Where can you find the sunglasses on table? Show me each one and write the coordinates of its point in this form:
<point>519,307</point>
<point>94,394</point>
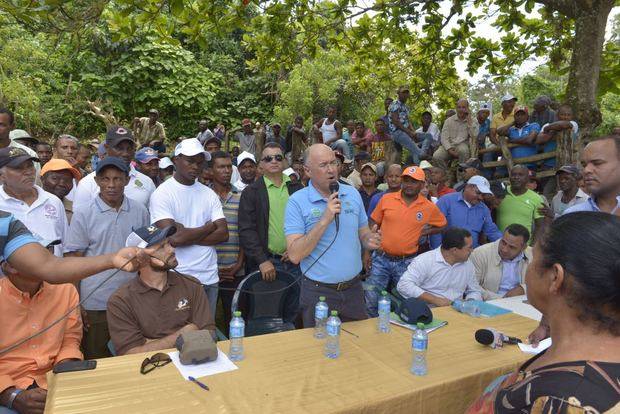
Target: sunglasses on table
<point>269,158</point>
<point>158,360</point>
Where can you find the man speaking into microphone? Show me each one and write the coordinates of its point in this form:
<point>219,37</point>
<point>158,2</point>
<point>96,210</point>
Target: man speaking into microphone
<point>329,252</point>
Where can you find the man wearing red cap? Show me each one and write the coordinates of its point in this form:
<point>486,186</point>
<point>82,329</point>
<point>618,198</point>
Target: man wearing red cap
<point>403,217</point>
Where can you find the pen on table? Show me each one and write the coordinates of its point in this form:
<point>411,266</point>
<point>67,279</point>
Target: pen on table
<point>349,332</point>
<point>200,384</point>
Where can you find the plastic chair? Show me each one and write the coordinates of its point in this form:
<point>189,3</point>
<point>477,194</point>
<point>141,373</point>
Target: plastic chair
<point>267,312</point>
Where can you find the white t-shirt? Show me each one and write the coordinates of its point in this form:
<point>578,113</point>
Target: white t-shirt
<point>139,189</point>
<point>45,218</point>
<point>192,206</point>
<point>433,129</point>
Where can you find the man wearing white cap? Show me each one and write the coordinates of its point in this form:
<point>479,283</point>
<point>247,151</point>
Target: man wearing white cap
<point>465,210</point>
<point>504,118</point>
<point>196,211</point>
<point>246,163</point>
<point>166,169</point>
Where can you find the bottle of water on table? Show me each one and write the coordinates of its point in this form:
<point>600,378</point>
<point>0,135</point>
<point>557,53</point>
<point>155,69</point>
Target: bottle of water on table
<point>469,307</point>
<point>419,344</point>
<point>332,345</point>
<point>320,318</point>
<point>384,312</point>
<point>237,331</point>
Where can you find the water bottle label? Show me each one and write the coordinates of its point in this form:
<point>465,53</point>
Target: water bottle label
<point>320,312</point>
<point>333,330</point>
<point>236,331</point>
<point>420,344</point>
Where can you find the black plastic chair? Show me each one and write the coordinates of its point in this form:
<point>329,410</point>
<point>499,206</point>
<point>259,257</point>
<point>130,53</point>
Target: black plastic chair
<point>267,312</point>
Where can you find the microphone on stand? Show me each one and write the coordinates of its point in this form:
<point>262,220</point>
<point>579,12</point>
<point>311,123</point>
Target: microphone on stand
<point>333,188</point>
<point>494,338</point>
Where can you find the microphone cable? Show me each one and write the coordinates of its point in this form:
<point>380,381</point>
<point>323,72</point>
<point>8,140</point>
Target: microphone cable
<point>84,299</point>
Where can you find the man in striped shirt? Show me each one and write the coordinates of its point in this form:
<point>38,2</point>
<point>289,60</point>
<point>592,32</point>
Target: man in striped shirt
<point>230,256</point>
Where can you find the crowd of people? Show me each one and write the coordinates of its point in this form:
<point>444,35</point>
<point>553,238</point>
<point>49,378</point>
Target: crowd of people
<point>326,205</point>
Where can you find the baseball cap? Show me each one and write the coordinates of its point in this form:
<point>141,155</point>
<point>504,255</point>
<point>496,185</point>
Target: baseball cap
<point>522,108</point>
<point>153,111</point>
<point>508,97</point>
<point>112,162</point>
<point>21,134</point>
<point>571,169</point>
<point>117,134</point>
<point>14,157</point>
<point>191,147</point>
<point>246,121</point>
<point>146,154</point>
<point>498,189</point>
<point>471,163</point>
<point>165,163</point>
<point>339,155</point>
<point>94,143</point>
<point>289,171</point>
<point>414,310</point>
<point>482,184</point>
<point>56,164</point>
<point>148,236</point>
<point>403,88</point>
<point>485,106</point>
<point>425,164</point>
<point>245,156</point>
<point>214,139</point>
<point>417,173</point>
<point>369,165</point>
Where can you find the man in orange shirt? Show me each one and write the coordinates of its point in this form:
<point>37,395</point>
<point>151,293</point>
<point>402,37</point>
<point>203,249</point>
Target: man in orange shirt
<point>26,305</point>
<point>403,217</point>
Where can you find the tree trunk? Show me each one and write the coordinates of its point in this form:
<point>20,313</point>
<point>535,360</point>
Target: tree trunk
<point>590,23</point>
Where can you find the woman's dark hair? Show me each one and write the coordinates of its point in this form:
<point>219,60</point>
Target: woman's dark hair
<point>587,246</point>
<point>454,237</point>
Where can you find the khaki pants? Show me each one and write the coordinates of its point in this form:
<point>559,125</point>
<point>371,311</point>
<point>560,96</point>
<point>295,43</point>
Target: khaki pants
<point>443,155</point>
<point>95,340</point>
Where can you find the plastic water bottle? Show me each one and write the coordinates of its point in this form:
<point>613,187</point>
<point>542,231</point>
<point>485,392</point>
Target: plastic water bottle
<point>419,344</point>
<point>332,345</point>
<point>384,312</point>
<point>320,318</point>
<point>237,331</point>
<point>468,307</point>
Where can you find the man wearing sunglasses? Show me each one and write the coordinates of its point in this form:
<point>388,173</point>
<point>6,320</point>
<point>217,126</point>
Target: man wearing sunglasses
<point>261,216</point>
<point>153,309</point>
<point>466,210</point>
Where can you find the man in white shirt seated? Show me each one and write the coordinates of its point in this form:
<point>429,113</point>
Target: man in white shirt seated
<point>118,143</point>
<point>501,265</point>
<point>443,275</point>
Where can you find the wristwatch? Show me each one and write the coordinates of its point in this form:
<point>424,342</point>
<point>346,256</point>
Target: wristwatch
<point>12,397</point>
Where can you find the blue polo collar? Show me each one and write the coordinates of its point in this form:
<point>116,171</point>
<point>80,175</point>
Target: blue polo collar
<point>314,195</point>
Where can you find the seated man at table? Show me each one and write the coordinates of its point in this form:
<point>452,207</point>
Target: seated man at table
<point>26,305</point>
<point>443,275</point>
<point>501,265</point>
<point>149,312</point>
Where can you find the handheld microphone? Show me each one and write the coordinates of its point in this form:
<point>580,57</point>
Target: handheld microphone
<point>333,188</point>
<point>494,338</point>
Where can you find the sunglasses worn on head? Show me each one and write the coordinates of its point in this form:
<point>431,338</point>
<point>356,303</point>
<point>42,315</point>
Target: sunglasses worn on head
<point>158,360</point>
<point>269,158</point>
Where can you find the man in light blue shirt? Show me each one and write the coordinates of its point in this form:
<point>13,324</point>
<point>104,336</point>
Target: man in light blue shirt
<point>328,248</point>
<point>466,210</point>
<point>601,175</point>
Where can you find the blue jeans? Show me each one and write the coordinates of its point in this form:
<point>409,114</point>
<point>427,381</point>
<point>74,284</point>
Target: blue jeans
<point>293,269</point>
<point>342,146</point>
<point>4,410</point>
<point>383,270</point>
<point>400,137</point>
<point>427,141</point>
<point>211,291</point>
<point>488,157</point>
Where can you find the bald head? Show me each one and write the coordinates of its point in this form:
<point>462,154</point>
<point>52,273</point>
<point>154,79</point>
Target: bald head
<point>392,177</point>
<point>462,108</point>
<point>321,166</point>
<point>394,169</point>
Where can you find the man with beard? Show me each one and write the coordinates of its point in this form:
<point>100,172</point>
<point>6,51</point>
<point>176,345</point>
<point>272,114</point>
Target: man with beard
<point>134,309</point>
<point>57,178</point>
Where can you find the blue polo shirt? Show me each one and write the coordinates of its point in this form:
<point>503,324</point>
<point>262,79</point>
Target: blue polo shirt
<point>477,218</point>
<point>343,260</point>
<point>515,133</point>
<point>590,205</point>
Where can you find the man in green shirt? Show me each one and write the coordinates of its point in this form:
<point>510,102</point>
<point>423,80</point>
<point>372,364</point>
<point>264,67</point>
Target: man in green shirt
<point>261,216</point>
<point>521,205</point>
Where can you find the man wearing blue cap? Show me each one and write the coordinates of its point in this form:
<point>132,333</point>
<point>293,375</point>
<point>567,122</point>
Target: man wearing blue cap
<point>147,162</point>
<point>99,228</point>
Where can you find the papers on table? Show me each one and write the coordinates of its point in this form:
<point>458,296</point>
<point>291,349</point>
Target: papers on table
<point>429,327</point>
<point>529,349</point>
<point>519,305</point>
<point>221,364</point>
